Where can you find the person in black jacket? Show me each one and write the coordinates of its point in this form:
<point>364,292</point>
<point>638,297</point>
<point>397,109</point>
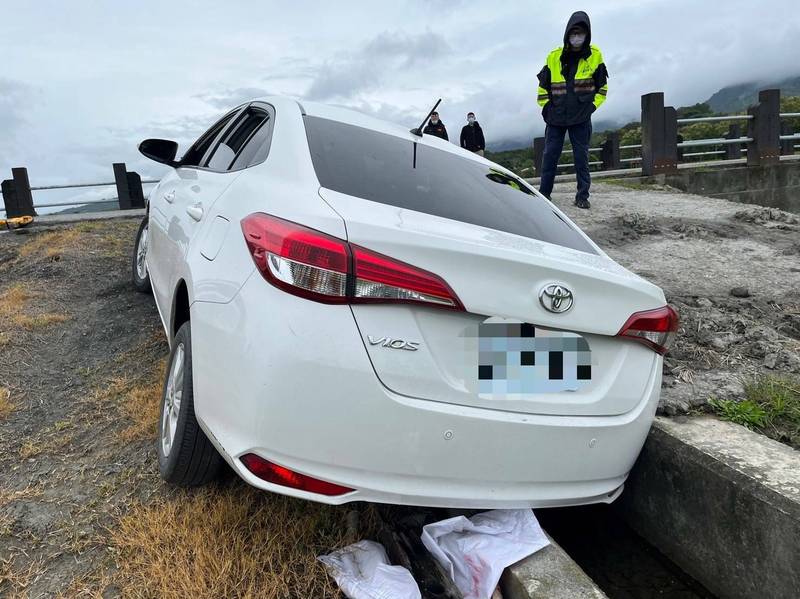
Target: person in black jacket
<point>472,135</point>
<point>436,127</point>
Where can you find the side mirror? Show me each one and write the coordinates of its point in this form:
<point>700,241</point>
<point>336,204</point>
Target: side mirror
<point>160,150</point>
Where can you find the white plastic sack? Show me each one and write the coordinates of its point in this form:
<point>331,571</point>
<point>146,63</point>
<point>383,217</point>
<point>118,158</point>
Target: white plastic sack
<point>362,571</point>
<point>475,551</point>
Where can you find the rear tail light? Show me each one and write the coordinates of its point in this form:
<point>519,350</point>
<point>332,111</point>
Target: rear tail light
<point>278,475</point>
<point>655,328</point>
<point>298,259</point>
<point>383,279</point>
<point>317,266</point>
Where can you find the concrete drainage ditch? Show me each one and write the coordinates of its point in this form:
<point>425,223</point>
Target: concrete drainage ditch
<point>711,509</point>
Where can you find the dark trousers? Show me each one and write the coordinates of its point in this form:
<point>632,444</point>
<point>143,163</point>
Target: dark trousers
<point>580,135</point>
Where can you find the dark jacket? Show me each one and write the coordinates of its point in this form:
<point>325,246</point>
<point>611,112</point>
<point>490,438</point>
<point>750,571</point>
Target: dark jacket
<point>570,108</point>
<point>438,130</point>
<point>472,137</point>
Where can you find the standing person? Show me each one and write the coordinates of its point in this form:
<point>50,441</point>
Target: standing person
<point>572,85</point>
<point>472,135</point>
<point>436,127</point>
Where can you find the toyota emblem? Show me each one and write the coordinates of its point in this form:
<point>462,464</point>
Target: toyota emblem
<point>556,298</point>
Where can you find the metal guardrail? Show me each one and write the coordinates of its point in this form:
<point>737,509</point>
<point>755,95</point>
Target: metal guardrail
<point>591,163</point>
<point>714,119</point>
<point>721,141</point>
<point>18,192</point>
<point>78,185</point>
<point>570,150</point>
<point>768,138</point>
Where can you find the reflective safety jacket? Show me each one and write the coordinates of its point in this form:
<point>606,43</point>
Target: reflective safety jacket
<point>572,87</point>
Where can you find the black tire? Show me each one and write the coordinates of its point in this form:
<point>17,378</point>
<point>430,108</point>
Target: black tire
<point>192,459</point>
<point>141,284</point>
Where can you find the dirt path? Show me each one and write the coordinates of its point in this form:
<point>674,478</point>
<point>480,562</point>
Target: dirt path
<point>82,509</point>
<point>698,250</point>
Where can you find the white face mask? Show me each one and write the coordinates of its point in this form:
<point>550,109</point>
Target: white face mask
<point>576,40</point>
<point>434,121</point>
<point>471,119</point>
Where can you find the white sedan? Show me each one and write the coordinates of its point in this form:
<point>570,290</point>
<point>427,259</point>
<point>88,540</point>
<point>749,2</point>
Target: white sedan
<point>357,312</point>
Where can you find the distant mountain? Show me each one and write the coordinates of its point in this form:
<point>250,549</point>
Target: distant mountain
<point>736,98</point>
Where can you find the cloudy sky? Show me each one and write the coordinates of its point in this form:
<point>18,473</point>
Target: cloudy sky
<point>83,82</point>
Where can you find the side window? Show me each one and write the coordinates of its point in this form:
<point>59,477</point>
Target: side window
<point>194,155</point>
<point>239,140</point>
<point>255,151</point>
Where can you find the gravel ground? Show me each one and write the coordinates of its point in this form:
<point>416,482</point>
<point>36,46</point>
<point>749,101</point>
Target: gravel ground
<point>705,254</point>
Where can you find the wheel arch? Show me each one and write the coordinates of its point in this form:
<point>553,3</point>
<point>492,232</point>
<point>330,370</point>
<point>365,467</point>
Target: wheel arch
<point>180,308</point>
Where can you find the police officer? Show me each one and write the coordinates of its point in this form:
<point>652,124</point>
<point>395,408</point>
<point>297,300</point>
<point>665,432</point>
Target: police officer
<point>572,85</point>
<point>436,127</point>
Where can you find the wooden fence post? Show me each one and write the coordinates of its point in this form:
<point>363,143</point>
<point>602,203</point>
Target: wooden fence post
<point>764,129</point>
<point>17,196</point>
<point>659,136</point>
<point>787,145</point>
<point>733,151</point>
<point>129,187</point>
<point>609,153</point>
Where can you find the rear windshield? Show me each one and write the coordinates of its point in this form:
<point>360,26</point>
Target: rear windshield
<point>383,168</point>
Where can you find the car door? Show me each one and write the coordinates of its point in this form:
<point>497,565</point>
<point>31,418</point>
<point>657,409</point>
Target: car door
<point>165,222</point>
<point>198,187</point>
<point>217,274</point>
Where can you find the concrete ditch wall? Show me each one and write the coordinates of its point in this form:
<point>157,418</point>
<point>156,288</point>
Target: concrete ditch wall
<point>723,503</point>
<point>775,186</point>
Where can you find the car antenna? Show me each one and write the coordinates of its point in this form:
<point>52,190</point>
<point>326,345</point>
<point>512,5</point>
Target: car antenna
<point>418,130</point>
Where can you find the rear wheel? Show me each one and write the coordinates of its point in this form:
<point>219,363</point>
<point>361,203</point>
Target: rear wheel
<point>185,455</point>
<point>139,274</point>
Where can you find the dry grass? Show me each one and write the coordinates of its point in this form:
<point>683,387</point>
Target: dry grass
<point>50,244</point>
<point>29,492</point>
<point>231,542</point>
<point>14,299</point>
<point>15,309</point>
<point>32,447</point>
<point>139,400</point>
<point>13,582</point>
<point>6,407</point>
<point>142,405</point>
<point>39,321</point>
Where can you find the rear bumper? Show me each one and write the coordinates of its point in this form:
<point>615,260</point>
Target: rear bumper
<point>294,385</point>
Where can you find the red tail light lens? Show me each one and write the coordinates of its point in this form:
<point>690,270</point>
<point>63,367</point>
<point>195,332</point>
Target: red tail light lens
<point>298,259</point>
<point>278,475</point>
<point>655,328</point>
<point>317,266</point>
<point>380,278</point>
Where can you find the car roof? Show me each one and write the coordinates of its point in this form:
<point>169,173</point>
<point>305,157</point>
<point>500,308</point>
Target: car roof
<point>359,119</point>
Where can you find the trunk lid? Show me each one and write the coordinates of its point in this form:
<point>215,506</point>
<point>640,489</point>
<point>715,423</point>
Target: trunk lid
<point>498,277</point>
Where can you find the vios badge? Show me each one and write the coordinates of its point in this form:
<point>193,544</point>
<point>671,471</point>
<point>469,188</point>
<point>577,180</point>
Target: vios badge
<point>556,298</point>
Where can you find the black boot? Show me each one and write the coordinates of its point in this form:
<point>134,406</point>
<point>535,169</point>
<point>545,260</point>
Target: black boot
<point>583,204</point>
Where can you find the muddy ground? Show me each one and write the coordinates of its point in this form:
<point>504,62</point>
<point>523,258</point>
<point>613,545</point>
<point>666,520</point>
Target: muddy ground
<point>732,270</point>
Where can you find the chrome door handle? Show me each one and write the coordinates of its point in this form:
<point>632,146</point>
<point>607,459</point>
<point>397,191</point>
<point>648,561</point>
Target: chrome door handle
<point>169,197</point>
<point>195,211</point>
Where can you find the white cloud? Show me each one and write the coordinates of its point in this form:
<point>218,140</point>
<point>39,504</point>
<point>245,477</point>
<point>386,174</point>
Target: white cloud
<point>84,82</point>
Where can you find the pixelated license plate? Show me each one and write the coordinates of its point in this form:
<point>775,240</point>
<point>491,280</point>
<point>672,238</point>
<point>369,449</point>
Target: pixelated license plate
<point>519,358</point>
